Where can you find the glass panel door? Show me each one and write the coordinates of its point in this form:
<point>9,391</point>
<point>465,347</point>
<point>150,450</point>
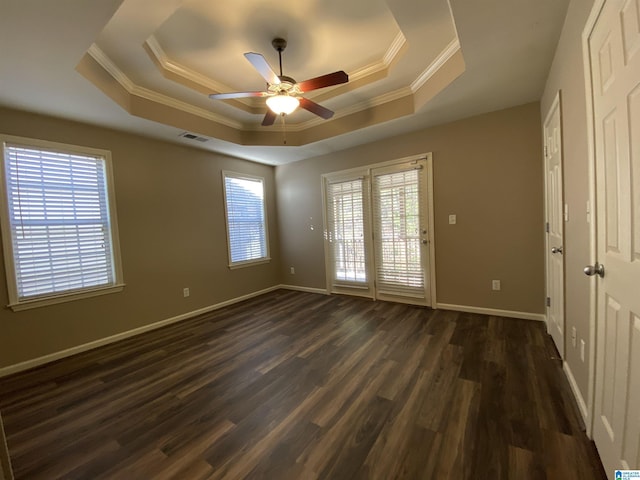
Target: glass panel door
<point>400,236</point>
<point>377,231</point>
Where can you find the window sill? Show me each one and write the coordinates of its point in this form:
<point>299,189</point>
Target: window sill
<point>62,298</point>
<point>249,263</point>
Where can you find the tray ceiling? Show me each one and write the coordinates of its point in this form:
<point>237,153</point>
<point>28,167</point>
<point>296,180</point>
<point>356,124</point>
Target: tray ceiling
<point>411,64</point>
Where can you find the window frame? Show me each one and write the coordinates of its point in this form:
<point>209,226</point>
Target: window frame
<point>15,302</point>
<point>253,178</point>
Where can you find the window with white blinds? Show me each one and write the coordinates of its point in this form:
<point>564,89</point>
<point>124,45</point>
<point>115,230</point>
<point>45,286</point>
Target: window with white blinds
<point>396,203</point>
<point>246,219</point>
<point>345,215</point>
<point>57,232</point>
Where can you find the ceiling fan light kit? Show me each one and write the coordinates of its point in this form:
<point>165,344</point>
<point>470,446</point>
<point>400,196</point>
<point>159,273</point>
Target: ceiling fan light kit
<point>284,94</point>
<point>283,104</point>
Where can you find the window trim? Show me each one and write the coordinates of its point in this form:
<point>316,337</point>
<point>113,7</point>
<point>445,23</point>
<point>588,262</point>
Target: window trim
<point>257,261</point>
<point>7,245</point>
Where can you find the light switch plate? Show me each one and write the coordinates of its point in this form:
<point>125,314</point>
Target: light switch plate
<point>452,219</point>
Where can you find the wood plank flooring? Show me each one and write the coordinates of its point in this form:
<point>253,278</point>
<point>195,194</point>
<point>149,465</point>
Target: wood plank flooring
<point>293,385</point>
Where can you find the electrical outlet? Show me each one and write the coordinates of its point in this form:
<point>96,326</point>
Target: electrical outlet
<point>495,284</point>
<point>574,336</point>
<point>185,292</point>
<point>582,346</point>
<point>292,271</point>
<point>452,219</point>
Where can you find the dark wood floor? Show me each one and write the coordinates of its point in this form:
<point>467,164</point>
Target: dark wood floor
<point>294,385</point>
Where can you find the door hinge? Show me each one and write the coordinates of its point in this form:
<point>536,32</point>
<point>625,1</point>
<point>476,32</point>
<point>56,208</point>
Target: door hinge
<point>547,227</point>
<point>548,301</point>
<point>546,152</point>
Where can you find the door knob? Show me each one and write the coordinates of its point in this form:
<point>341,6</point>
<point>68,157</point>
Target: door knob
<point>592,270</point>
<point>556,250</point>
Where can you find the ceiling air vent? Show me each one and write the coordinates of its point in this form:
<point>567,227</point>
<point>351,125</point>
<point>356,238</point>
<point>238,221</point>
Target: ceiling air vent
<point>192,136</point>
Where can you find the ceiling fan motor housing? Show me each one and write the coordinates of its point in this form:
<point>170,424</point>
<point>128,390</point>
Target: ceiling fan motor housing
<point>279,44</point>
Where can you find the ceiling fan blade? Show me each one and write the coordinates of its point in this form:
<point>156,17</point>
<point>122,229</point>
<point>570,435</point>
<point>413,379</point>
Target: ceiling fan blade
<point>323,81</point>
<point>226,96</point>
<point>263,68</point>
<point>316,108</point>
<point>269,118</point>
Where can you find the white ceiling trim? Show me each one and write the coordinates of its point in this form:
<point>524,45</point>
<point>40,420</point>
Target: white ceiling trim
<point>99,56</point>
<point>389,56</point>
<point>154,96</point>
<point>105,62</point>
<point>440,60</point>
<point>209,83</point>
<point>423,78</point>
<point>216,87</point>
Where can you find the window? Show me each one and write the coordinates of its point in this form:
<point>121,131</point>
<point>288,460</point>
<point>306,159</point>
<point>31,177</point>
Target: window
<point>59,230</point>
<point>345,216</point>
<point>246,219</point>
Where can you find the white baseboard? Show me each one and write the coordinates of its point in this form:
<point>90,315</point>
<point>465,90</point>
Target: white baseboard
<point>582,405</point>
<point>35,362</point>
<point>26,365</point>
<point>491,311</point>
<point>322,291</point>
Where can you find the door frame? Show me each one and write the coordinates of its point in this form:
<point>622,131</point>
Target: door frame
<point>365,171</point>
<point>555,105</point>
<point>590,24</point>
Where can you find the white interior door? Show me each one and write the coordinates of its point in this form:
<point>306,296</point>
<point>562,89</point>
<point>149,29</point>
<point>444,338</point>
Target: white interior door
<point>614,47</point>
<point>401,232</point>
<point>555,225</point>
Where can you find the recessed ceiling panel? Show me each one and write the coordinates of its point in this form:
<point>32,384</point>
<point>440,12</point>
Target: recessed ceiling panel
<point>323,36</point>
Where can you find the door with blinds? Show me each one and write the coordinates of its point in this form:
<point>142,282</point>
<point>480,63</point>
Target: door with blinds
<point>379,230</point>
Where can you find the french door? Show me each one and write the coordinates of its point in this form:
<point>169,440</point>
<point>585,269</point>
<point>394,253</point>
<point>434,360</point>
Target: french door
<point>378,235</point>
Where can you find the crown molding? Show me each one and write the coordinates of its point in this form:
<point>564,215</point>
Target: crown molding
<point>166,63</point>
<point>388,58</point>
<point>440,60</point>
<point>136,90</point>
<point>154,96</point>
<point>111,68</point>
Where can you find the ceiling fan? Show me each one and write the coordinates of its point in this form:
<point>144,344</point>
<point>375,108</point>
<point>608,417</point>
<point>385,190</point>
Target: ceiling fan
<point>283,93</point>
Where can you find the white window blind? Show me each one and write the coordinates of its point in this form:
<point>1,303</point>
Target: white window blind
<point>246,218</point>
<point>345,212</point>
<point>396,198</point>
<point>58,221</point>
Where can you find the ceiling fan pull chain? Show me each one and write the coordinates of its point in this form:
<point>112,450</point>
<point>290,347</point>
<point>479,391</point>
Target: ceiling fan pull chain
<point>284,130</point>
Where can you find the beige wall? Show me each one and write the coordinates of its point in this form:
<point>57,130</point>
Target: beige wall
<point>487,170</point>
<point>172,235</point>
<point>567,75</point>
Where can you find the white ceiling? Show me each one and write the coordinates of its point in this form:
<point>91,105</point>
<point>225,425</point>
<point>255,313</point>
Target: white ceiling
<point>385,46</point>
